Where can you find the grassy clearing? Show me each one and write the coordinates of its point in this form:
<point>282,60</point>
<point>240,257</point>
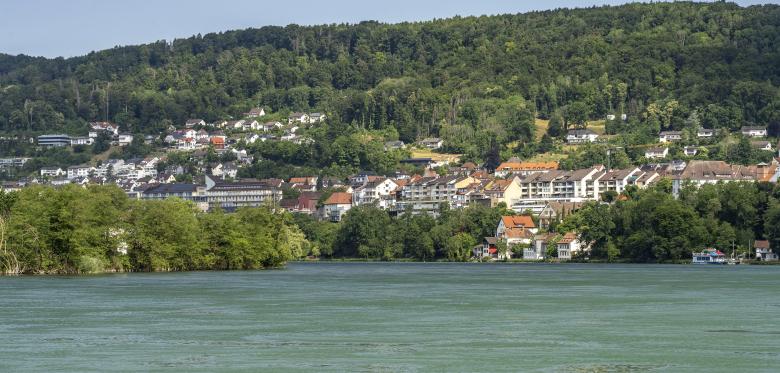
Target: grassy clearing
<point>541,127</point>
<point>426,153</point>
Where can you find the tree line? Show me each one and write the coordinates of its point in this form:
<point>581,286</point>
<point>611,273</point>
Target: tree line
<point>74,229</point>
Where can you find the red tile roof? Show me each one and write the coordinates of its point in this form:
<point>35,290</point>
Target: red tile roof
<point>339,198</point>
<point>524,221</point>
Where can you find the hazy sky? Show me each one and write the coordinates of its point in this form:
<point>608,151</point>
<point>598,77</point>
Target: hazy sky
<point>75,27</point>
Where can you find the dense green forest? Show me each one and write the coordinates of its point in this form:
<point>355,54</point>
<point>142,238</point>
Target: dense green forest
<point>99,229</point>
<point>477,82</point>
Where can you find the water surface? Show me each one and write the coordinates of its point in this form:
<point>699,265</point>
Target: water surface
<point>398,317</point>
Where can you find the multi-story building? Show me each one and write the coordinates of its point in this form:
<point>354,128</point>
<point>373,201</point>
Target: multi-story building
<point>54,140</point>
<point>378,191</point>
<point>246,193</point>
<point>524,168</point>
<point>427,194</point>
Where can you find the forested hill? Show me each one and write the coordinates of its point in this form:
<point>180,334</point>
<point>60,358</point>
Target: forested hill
<point>452,75</point>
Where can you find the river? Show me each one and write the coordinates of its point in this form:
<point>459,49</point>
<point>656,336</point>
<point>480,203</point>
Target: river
<point>396,317</point>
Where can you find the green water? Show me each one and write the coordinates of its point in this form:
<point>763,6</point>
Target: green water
<point>398,317</point>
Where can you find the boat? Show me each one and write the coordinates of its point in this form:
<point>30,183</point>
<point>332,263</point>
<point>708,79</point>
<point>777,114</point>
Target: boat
<point>709,256</point>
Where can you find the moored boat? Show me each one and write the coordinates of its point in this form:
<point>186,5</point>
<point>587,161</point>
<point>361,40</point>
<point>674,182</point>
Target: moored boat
<point>709,256</point>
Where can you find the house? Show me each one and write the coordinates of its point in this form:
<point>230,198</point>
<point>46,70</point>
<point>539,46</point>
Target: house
<point>764,251</point>
<point>669,136</point>
<point>656,153</point>
<point>393,145</point>
<point>255,113</point>
<point>302,118</point>
<point>538,248</point>
<point>81,141</point>
<point>524,168</point>
<point>251,125</point>
<point>235,124</point>
<point>113,129</point>
<point>270,126</point>
<point>201,135</point>
<point>53,140</point>
<point>379,192</point>
<point>705,133</point>
<point>581,136</point>
<point>427,194</point>
<point>691,151</point>
<point>219,124</point>
<point>568,246</point>
<point>186,143</point>
<point>516,229</point>
<point>52,171</point>
<point>752,131</point>
<point>317,117</point>
<point>611,117</point>
<point>336,206</point>
<point>489,249</point>
<point>125,139</point>
<point>79,171</point>
<point>432,143</point>
<point>503,190</point>
<point>194,122</point>
<point>762,145</point>
<point>556,211</point>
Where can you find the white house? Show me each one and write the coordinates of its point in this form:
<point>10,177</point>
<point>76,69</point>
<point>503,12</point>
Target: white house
<point>317,117</point>
<point>581,136</point>
<point>656,153</point>
<point>750,131</point>
<point>691,151</point>
<point>251,125</point>
<point>194,122</point>
<point>705,133</point>
<point>762,145</point>
<point>298,118</point>
<point>236,124</point>
<point>52,171</point>
<point>764,252</point>
<point>82,141</point>
<point>255,113</point>
<point>270,126</point>
<point>377,191</point>
<point>432,143</point>
<point>516,229</point>
<point>79,171</point>
<point>125,139</point>
<point>670,136</point>
<point>568,246</point>
<point>538,249</point>
<point>336,206</point>
<point>105,126</point>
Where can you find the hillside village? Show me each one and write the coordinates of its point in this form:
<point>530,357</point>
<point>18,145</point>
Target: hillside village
<point>540,192</point>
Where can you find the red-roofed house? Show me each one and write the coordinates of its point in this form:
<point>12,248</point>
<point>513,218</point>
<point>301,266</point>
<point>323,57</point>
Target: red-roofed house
<point>336,206</point>
<point>516,229</point>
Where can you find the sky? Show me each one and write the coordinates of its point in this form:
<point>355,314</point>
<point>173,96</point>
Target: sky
<point>67,28</point>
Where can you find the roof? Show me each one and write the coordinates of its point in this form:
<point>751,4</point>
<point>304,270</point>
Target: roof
<point>568,237</point>
<point>716,170</point>
<point>529,166</point>
<point>581,132</point>
<point>339,198</point>
<point>753,128</point>
<point>761,244</point>
<point>171,188</point>
<point>524,221</point>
